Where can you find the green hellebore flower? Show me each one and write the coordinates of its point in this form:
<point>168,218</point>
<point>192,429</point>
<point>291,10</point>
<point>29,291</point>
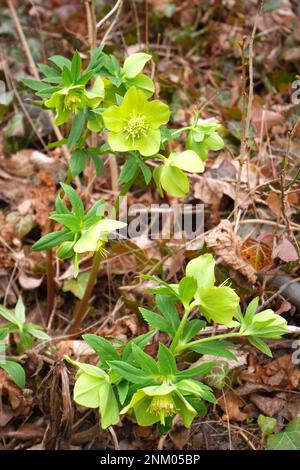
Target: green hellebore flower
<point>93,389</point>
<point>204,137</point>
<point>134,125</point>
<point>70,100</point>
<point>155,403</point>
<point>171,178</point>
<point>94,237</point>
<point>217,303</point>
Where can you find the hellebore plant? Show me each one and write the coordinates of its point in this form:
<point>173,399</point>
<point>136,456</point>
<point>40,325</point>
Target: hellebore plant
<point>115,102</point>
<point>127,380</point>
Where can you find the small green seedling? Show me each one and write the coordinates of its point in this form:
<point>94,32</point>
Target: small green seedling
<point>27,332</point>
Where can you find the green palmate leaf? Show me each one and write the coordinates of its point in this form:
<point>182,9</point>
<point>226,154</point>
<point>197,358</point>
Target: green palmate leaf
<point>103,348</point>
<point>76,202</point>
<point>61,61</point>
<point>145,362</point>
<point>135,63</point>
<point>129,171</point>
<point>215,348</point>
<point>166,361</point>
<point>289,439</point>
<point>78,162</point>
<point>140,341</point>
<point>52,239</point>
<point>76,129</point>
<point>187,289</point>
<point>68,220</point>
<point>15,371</point>
<point>129,372</point>
<point>166,305</point>
<point>196,371</point>
<point>156,321</point>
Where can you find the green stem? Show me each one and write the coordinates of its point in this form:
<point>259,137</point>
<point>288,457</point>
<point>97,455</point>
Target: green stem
<point>49,260</point>
<point>82,306</point>
<point>180,329</point>
<point>208,339</point>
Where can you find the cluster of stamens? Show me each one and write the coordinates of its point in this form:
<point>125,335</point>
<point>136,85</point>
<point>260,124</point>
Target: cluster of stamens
<point>136,126</point>
<point>163,406</point>
<point>72,103</point>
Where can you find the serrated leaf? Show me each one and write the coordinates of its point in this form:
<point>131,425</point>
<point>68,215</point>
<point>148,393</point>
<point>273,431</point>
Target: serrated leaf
<point>52,239</point>
<point>196,371</point>
<point>145,362</point>
<point>156,321</point>
<point>215,348</point>
<point>78,162</point>
<point>76,129</point>
<point>129,372</point>
<point>166,361</point>
<point>103,348</point>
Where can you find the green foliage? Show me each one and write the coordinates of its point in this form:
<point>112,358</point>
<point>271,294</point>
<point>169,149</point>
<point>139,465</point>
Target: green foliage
<point>204,136</point>
<point>288,439</point>
<point>115,101</point>
<point>26,331</point>
<point>83,232</point>
<point>266,424</point>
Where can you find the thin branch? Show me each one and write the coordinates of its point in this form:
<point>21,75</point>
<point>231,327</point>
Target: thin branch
<point>244,143</point>
<point>34,69</point>
<point>109,14</point>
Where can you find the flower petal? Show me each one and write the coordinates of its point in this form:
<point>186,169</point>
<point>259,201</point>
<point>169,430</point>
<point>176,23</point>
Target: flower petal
<point>133,102</point>
<point>157,113</point>
<point>149,143</point>
<point>119,142</point>
<point>113,118</point>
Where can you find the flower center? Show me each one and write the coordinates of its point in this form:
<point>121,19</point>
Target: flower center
<point>163,406</point>
<point>136,126</point>
<point>72,102</point>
